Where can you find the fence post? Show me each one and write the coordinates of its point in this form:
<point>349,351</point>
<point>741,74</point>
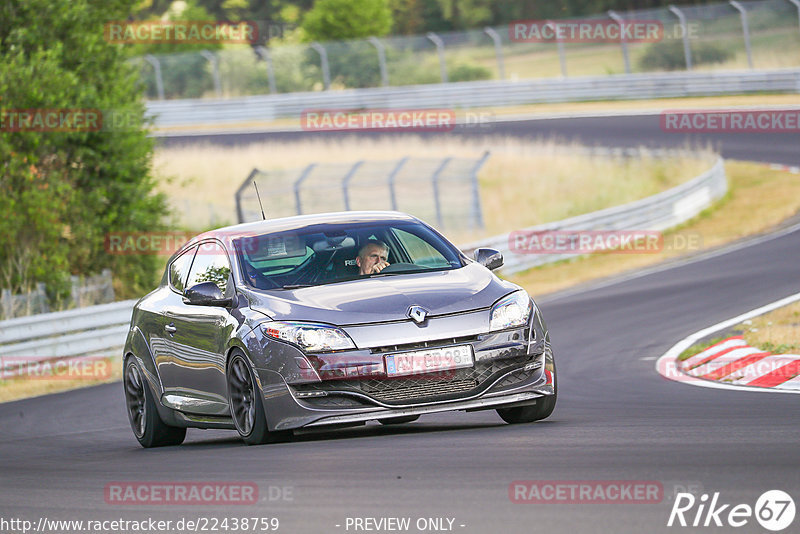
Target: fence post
<point>436,199</point>
<point>346,184</point>
<point>390,180</point>
<point>562,56</point>
<point>108,281</point>
<point>498,50</point>
<point>7,303</point>
<point>298,183</point>
<point>75,290</point>
<point>41,296</point>
<point>797,5</point>
<point>435,39</point>
<point>687,50</point>
<point>263,53</point>
<point>619,20</point>
<point>214,70</point>
<point>476,197</point>
<point>323,60</point>
<point>381,59</point>
<point>745,30</point>
<point>153,60</point>
<point>250,179</point>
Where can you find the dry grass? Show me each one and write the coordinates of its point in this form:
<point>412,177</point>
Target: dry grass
<point>22,387</point>
<point>544,181</point>
<point>777,331</point>
<point>758,199</point>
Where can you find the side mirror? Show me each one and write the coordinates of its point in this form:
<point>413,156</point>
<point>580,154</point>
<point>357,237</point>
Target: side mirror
<point>488,257</point>
<point>206,294</point>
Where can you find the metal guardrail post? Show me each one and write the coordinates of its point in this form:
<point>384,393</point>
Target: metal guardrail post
<point>498,50</point>
<point>435,39</point>
<point>390,182</point>
<point>346,183</point>
<point>562,55</point>
<point>381,59</point>
<point>619,20</point>
<point>298,183</point>
<point>241,190</point>
<point>153,60</point>
<point>263,53</point>
<point>436,198</point>
<point>215,71</point>
<point>687,50</point>
<point>476,197</point>
<point>323,61</point>
<point>797,5</point>
<point>745,30</point>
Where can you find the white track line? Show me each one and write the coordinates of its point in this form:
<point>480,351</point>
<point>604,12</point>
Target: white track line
<point>667,362</point>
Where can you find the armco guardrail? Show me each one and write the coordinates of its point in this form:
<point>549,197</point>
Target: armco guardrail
<point>66,334</point>
<point>177,114</point>
<point>102,329</point>
<point>657,212</point>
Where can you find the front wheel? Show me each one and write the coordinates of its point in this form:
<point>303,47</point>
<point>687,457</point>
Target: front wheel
<point>247,408</point>
<point>146,424</point>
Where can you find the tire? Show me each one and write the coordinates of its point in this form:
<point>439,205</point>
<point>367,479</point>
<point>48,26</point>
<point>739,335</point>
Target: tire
<point>246,405</point>
<point>146,424</point>
<point>527,414</point>
<point>399,420</point>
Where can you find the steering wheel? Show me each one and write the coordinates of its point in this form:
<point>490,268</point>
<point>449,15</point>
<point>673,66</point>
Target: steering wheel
<point>400,267</point>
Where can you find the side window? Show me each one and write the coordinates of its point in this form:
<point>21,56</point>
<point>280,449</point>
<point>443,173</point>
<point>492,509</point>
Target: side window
<point>421,252</point>
<point>210,265</point>
<point>179,270</point>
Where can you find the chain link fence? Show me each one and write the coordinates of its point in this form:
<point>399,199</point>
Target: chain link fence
<point>762,34</point>
<point>443,191</point>
<point>85,291</point>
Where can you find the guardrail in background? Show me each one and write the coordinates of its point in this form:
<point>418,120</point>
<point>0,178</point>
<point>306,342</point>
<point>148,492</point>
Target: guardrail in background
<point>93,330</point>
<point>177,114</point>
<point>444,190</point>
<point>102,329</point>
<point>720,34</point>
<point>657,212</point>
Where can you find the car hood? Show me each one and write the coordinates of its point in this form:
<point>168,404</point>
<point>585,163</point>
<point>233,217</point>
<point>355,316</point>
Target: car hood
<point>386,298</point>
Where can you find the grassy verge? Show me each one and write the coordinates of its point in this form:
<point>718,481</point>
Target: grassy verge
<point>758,199</point>
<point>23,387</point>
<point>552,181</point>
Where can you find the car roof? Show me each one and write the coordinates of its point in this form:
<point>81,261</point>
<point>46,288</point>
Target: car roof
<point>299,222</point>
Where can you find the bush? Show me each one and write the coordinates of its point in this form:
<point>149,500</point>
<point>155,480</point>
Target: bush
<point>669,55</point>
<point>62,192</point>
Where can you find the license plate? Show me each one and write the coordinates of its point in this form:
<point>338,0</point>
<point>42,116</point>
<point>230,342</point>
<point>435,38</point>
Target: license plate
<point>429,360</point>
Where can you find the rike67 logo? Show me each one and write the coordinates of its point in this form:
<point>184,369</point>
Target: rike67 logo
<point>774,510</point>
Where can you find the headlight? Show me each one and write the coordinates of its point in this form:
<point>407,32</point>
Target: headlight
<point>309,336</point>
<point>510,311</point>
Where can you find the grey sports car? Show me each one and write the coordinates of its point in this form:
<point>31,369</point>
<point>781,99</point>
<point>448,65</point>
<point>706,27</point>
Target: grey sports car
<point>330,319</point>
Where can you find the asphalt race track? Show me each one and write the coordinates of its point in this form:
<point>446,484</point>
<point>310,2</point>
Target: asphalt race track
<point>616,419</point>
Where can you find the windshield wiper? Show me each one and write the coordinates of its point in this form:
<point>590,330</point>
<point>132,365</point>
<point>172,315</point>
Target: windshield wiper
<point>295,286</point>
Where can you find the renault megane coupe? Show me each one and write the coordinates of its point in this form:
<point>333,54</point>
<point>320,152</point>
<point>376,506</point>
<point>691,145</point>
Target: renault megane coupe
<point>330,319</point>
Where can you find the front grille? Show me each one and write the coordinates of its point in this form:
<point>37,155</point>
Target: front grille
<point>421,388</point>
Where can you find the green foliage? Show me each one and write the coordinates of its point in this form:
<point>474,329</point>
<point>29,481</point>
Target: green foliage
<point>331,20</point>
<point>62,192</point>
<point>464,72</point>
<point>669,55</point>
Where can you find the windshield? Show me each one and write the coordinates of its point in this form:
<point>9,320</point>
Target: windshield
<point>323,254</point>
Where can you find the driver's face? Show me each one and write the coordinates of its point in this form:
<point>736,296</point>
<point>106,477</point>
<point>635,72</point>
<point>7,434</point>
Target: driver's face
<point>373,256</point>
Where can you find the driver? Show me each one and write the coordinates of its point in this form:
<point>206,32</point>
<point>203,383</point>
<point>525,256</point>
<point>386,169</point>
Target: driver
<point>372,257</point>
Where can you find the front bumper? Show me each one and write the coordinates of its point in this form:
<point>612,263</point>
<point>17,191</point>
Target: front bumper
<point>512,368</point>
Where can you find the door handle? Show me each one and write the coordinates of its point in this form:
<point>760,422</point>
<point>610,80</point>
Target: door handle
<point>170,328</point>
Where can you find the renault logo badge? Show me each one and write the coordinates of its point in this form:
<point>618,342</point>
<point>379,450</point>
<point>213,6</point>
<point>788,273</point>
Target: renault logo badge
<point>418,314</point>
